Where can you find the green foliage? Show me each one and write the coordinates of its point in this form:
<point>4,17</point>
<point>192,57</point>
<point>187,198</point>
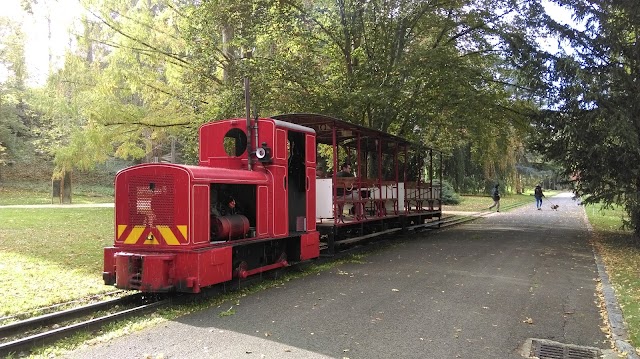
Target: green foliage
<point>449,196</point>
<point>593,129</point>
<point>621,254</point>
<point>14,132</point>
<point>424,71</point>
<point>120,93</point>
<point>147,72</point>
<point>227,313</point>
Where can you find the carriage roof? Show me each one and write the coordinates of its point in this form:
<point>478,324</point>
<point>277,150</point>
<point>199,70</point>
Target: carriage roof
<point>345,131</point>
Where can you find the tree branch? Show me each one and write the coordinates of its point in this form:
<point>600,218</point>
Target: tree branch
<point>152,125</point>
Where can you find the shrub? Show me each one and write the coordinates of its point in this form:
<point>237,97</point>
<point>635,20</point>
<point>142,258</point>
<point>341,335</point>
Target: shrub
<point>449,196</point>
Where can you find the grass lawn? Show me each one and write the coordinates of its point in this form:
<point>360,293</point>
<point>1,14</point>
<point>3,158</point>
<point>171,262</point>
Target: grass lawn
<point>49,256</point>
<point>40,193</point>
<point>620,251</point>
<point>481,203</point>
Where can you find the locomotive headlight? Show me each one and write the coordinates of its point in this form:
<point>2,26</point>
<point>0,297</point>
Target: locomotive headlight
<point>150,237</point>
<point>263,153</point>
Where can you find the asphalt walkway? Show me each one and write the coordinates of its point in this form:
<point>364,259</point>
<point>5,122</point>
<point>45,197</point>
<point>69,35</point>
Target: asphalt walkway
<point>478,290</point>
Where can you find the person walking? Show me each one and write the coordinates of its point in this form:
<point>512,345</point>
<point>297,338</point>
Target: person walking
<point>495,195</point>
<point>537,193</point>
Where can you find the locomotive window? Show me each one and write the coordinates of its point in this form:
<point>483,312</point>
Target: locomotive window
<point>235,142</point>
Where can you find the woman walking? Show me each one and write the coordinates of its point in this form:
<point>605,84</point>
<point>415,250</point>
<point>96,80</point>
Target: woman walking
<point>537,193</point>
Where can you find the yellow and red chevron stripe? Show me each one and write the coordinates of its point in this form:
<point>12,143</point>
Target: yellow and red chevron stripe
<point>169,235</point>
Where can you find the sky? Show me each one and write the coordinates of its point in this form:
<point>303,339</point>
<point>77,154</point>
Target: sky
<point>561,15</point>
<point>63,13</point>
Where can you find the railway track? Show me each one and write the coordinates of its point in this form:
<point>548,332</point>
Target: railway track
<point>29,333</point>
<point>58,307</point>
<point>26,334</point>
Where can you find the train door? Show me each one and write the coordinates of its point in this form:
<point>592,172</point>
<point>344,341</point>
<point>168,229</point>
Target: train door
<point>311,182</point>
<point>297,184</point>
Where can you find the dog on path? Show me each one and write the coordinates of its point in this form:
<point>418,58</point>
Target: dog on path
<point>554,207</point>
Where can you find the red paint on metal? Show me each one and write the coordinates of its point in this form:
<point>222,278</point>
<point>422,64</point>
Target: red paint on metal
<point>310,245</point>
<point>263,212</point>
<point>181,271</point>
<point>231,227</point>
<point>157,272</point>
<point>146,205</point>
<point>311,198</point>
<point>109,266</point>
<point>280,212</point>
<point>246,273</point>
<point>200,214</point>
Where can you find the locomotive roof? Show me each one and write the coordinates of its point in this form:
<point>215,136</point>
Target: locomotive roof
<point>215,174</point>
<point>323,125</point>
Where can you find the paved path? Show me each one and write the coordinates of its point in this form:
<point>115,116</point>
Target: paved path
<point>478,290</point>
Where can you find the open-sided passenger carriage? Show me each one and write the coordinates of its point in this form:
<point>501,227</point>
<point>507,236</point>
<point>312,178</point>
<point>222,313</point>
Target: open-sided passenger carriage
<point>397,184</point>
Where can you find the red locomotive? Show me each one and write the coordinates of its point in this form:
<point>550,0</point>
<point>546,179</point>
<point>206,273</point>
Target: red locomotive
<point>258,200</point>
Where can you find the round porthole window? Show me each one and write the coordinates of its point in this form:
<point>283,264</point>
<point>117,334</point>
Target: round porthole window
<point>235,142</point>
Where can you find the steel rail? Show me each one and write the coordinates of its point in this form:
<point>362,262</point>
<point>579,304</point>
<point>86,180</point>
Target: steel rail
<point>58,333</point>
<point>64,315</point>
<point>51,308</point>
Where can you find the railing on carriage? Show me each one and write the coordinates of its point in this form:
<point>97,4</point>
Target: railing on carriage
<point>365,199</point>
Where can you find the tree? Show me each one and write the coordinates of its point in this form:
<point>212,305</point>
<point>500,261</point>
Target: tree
<point>432,72</point>
<point>428,71</point>
<point>592,90</point>
<point>14,132</point>
<point>120,91</point>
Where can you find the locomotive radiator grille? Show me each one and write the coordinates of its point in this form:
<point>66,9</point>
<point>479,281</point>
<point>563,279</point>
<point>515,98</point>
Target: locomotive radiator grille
<point>151,200</point>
